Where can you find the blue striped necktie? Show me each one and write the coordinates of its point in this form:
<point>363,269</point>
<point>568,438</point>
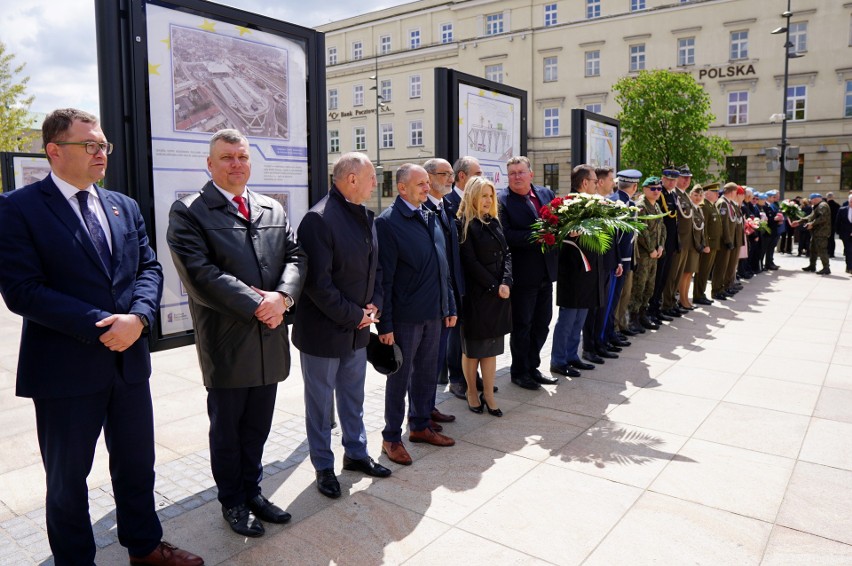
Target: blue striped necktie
<point>96,231</point>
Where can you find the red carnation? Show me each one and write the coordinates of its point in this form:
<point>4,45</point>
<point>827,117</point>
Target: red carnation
<point>556,202</point>
<point>549,239</point>
<point>553,219</point>
<point>544,211</point>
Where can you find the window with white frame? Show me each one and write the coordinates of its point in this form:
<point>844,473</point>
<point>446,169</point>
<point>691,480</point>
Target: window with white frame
<point>739,45</point>
<point>685,51</point>
<point>593,63</point>
<point>358,95</point>
<point>414,39</point>
<point>332,99</point>
<point>385,44</point>
<point>595,107</point>
<point>636,5</point>
<point>387,136</point>
<point>637,57</point>
<point>593,9</point>
<point>494,72</point>
<point>332,55</point>
<point>357,50</point>
<point>386,90</point>
<point>847,102</point>
<point>446,33</point>
<point>414,86</point>
<point>550,69</point>
<point>550,15</point>
<point>415,133</point>
<point>334,141</point>
<point>360,138</point>
<point>494,23</point>
<point>797,97</point>
<point>738,108</point>
<point>551,122</point>
<point>799,37</point>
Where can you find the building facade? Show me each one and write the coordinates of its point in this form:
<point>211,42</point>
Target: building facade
<point>568,53</point>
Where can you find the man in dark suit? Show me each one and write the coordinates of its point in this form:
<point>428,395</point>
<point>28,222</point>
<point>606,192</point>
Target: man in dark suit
<point>417,302</point>
<point>463,169</point>
<point>843,225</point>
<point>242,269</point>
<point>533,272</point>
<point>833,207</point>
<point>341,299</point>
<point>78,268</point>
<point>449,359</point>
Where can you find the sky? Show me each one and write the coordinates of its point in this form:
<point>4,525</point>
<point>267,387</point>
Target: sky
<point>56,40</point>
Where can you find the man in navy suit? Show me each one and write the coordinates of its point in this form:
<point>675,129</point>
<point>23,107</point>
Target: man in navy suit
<point>417,302</point>
<point>534,273</point>
<point>463,169</point>
<point>78,268</point>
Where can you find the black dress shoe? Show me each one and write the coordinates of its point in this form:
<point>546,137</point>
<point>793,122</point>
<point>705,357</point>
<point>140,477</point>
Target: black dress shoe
<point>242,521</point>
<point>636,327</point>
<point>824,271</point>
<point>720,297</point>
<point>702,301</point>
<point>628,332</point>
<point>648,322</point>
<point>327,483</point>
<point>663,317</point>
<point>480,385</point>
<point>459,390</point>
<point>811,269</point>
<point>773,267</point>
<point>607,355</point>
<point>672,312</point>
<point>266,510</point>
<point>609,348</point>
<point>566,370</point>
<point>539,377</point>
<point>592,357</point>
<point>620,342</point>
<point>525,381</point>
<point>580,365</point>
<point>365,466</point>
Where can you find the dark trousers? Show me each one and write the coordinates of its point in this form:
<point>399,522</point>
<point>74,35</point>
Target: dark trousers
<point>417,377</point>
<point>532,308</point>
<point>772,242</point>
<point>240,419</point>
<point>593,328</point>
<point>663,267</point>
<point>68,430</point>
<point>804,240</point>
<point>454,353</point>
<point>787,241</point>
<point>831,243</point>
<point>847,251</point>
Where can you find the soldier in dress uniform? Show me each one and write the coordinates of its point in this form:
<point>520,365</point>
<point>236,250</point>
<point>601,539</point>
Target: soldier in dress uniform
<point>650,246</point>
<point>819,224</point>
<point>713,236</point>
<point>728,249</point>
<point>668,205</point>
<point>628,181</point>
<point>685,214</point>
<point>695,247</point>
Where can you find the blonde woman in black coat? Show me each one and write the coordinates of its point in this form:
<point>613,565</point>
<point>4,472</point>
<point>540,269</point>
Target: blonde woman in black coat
<point>487,312</point>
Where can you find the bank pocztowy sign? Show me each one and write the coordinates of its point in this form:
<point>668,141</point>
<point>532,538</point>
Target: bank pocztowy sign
<point>727,72</point>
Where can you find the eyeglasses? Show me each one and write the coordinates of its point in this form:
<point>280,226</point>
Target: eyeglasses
<point>92,148</point>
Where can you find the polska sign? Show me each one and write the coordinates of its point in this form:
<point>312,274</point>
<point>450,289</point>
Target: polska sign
<point>727,72</point>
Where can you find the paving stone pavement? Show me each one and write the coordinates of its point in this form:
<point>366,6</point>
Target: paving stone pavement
<point>723,438</point>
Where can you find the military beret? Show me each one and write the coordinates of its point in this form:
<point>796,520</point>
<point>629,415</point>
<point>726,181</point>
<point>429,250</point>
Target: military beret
<point>771,193</point>
<point>815,195</point>
<point>629,175</point>
<point>731,187</point>
<point>651,181</point>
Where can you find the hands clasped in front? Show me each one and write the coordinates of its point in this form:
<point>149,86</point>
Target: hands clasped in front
<point>124,330</point>
<point>271,309</point>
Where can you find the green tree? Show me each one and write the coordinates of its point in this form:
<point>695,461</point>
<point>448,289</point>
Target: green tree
<point>665,119</point>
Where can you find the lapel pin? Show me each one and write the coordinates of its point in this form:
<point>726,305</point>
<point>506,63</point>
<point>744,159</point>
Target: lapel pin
<point>115,211</point>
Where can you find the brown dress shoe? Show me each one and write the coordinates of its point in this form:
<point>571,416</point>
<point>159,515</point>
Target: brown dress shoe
<point>168,555</point>
<point>396,452</point>
<point>429,436</point>
<point>435,426</point>
<point>440,417</point>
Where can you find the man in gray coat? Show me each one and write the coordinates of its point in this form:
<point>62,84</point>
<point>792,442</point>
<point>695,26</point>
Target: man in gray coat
<point>242,269</point>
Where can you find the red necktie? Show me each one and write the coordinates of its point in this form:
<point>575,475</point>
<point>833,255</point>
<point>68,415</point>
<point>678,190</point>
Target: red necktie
<point>241,206</point>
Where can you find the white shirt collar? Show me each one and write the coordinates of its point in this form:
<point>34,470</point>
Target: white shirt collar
<point>230,196</point>
<point>458,191</point>
<point>68,190</point>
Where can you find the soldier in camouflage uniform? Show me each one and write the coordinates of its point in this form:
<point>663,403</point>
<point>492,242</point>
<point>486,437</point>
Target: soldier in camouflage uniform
<point>713,235</point>
<point>649,248</point>
<point>819,223</point>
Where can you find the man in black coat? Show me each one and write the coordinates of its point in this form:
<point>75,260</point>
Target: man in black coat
<point>241,267</point>
<point>533,272</point>
<point>843,225</point>
<point>341,298</point>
